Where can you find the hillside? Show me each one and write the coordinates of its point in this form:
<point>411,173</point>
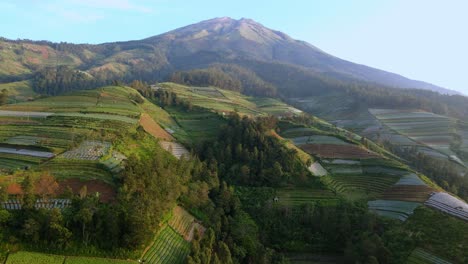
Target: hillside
<point>216,40</point>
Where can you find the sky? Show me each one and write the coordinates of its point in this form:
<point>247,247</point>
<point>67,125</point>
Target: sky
<point>421,39</point>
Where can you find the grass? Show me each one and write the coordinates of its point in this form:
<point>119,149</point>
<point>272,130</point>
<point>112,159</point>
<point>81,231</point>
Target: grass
<point>18,91</point>
<point>168,247</point>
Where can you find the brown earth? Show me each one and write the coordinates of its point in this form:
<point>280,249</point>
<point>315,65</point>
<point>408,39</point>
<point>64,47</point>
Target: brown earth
<point>338,151</point>
<point>106,191</point>
<point>151,127</point>
<point>410,193</point>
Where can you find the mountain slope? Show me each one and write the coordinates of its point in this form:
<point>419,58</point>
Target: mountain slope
<point>246,38</point>
<point>219,40</point>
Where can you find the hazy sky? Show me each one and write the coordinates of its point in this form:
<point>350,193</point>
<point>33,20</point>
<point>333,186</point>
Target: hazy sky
<point>420,39</point>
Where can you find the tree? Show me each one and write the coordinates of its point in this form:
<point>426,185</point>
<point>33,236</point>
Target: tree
<point>46,186</point>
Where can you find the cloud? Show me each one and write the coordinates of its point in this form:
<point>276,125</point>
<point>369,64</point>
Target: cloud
<point>113,4</point>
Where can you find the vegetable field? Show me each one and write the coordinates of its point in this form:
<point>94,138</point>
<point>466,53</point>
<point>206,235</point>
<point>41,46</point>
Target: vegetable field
<point>393,209</point>
<point>185,224</point>
<point>448,204</point>
<point>299,196</point>
<point>24,257</point>
<point>421,256</point>
<point>168,247</point>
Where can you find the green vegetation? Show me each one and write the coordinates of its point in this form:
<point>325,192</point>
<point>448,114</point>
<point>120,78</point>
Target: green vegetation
<point>23,257</point>
<point>168,247</point>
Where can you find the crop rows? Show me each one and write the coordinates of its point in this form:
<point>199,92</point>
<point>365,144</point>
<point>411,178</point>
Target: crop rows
<point>88,150</point>
<point>447,203</point>
<point>369,183</point>
<point>174,148</point>
<point>168,247</point>
<point>81,169</point>
<point>412,193</point>
<point>40,203</point>
<point>420,256</point>
<point>298,196</point>
<point>24,257</point>
<point>394,209</point>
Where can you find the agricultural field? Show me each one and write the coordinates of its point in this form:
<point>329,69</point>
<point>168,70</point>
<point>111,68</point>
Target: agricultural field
<point>79,169</point>
<point>224,101</point>
<point>196,126</point>
<point>425,128</point>
<point>153,128</point>
<point>18,91</point>
<point>421,256</point>
<point>298,196</point>
<point>107,192</point>
<point>448,204</point>
<point>176,149</point>
<point>88,150</point>
<point>331,151</point>
<point>40,203</point>
<point>317,169</point>
<point>185,224</point>
<point>168,247</point>
<point>24,257</point>
<point>400,210</point>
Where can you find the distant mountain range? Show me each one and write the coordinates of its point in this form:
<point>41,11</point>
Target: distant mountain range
<point>221,40</point>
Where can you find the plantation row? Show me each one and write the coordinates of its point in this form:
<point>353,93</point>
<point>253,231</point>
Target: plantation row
<point>299,196</point>
<point>176,149</point>
<point>88,150</point>
<point>420,256</point>
<point>369,183</point>
<point>394,209</point>
<point>40,203</point>
<point>81,169</point>
<point>24,257</point>
<point>448,204</point>
<point>168,247</point>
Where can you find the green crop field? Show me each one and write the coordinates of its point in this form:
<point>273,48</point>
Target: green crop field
<point>424,128</point>
<point>393,209</point>
<point>168,247</point>
<point>420,256</point>
<point>23,257</point>
<point>81,169</point>
<point>299,196</point>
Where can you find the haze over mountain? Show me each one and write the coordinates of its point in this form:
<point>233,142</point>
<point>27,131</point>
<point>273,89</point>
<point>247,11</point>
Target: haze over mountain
<point>219,40</point>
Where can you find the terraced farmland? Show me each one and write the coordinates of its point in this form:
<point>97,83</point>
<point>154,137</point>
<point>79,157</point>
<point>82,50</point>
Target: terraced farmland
<point>421,256</point>
<point>338,151</point>
<point>411,193</point>
<point>176,149</point>
<point>400,210</point>
<point>185,224</point>
<point>299,196</point>
<point>367,185</point>
<point>168,247</point>
<point>24,257</point>
<point>448,204</point>
<point>425,128</point>
<point>88,150</point>
<point>80,169</point>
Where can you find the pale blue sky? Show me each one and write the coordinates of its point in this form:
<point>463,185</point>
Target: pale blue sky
<point>420,39</point>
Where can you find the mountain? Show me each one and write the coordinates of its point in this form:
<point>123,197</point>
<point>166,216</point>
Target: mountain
<point>248,39</point>
<point>219,40</point>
